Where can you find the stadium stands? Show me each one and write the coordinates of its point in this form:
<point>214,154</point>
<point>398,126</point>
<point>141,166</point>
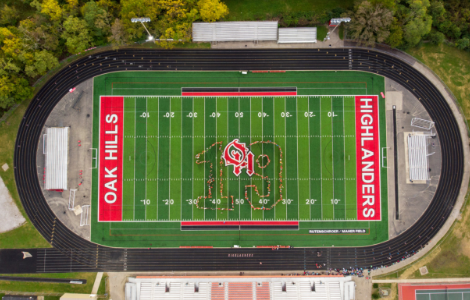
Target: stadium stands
<point>56,151</point>
<point>297,35</point>
<point>235,31</point>
<point>240,288</point>
<point>417,157</point>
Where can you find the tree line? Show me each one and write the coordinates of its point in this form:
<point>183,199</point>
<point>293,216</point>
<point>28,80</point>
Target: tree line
<point>35,34</point>
<point>406,23</point>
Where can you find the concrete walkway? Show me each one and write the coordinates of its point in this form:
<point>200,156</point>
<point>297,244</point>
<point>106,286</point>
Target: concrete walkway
<point>334,42</point>
<point>9,214</point>
<point>96,285</point>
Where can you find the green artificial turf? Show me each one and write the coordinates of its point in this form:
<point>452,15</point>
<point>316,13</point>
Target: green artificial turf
<point>163,134</point>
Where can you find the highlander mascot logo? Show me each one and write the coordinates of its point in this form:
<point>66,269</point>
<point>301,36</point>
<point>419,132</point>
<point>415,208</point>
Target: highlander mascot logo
<point>236,154</point>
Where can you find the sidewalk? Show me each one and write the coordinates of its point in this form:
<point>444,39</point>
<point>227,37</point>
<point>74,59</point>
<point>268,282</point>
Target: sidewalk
<point>334,42</point>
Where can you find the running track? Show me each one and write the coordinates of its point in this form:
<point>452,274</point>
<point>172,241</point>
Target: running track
<point>71,253</point>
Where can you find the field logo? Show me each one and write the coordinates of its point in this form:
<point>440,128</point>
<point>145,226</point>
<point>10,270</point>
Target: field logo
<point>238,155</point>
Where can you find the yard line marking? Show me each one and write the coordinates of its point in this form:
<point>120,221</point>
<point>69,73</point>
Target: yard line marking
<point>239,204</point>
<point>274,160</point>
<point>297,132</point>
<point>251,178</point>
<point>146,143</point>
<point>158,146</point>
<point>216,166</point>
<point>332,149</point>
<point>321,171</point>
<point>192,165</point>
<point>204,147</point>
<point>135,134</point>
<point>181,142</point>
<point>169,167</point>
<point>285,165</point>
<point>309,158</point>
<point>344,164</point>
<point>262,148</point>
<point>228,181</point>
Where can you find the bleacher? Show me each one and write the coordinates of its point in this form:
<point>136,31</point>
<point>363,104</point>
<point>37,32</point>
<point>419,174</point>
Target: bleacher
<point>241,288</point>
<point>418,157</point>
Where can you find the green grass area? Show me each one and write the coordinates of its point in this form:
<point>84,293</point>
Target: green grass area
<point>25,236</point>
<point>341,31</point>
<point>147,170</point>
<point>242,10</point>
<point>322,30</point>
<point>452,66</point>
<point>39,287</point>
<point>102,289</point>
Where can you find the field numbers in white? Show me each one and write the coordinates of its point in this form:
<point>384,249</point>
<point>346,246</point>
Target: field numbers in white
<point>286,114</point>
<point>168,201</point>
<point>332,114</point>
<point>311,201</point>
<point>335,201</point>
<point>309,114</point>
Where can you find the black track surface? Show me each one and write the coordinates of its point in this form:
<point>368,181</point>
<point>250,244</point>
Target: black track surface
<point>72,253</point>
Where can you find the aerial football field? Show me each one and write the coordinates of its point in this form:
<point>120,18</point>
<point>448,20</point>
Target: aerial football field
<point>224,158</point>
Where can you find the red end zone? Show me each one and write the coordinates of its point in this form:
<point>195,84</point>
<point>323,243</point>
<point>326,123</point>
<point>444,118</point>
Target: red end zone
<point>110,161</point>
<point>368,158</point>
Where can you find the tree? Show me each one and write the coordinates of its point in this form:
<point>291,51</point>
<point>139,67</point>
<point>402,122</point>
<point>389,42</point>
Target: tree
<point>52,9</point>
<point>76,35</point>
<point>437,12</point>
<point>39,36</point>
<point>212,10</point>
<point>437,37</point>
<point>370,23</point>
<point>118,35</point>
<point>463,44</point>
<point>96,18</point>
<point>43,62</point>
<point>13,89</point>
<point>395,39</point>
<point>417,22</point>
<point>8,15</point>
<point>4,34</point>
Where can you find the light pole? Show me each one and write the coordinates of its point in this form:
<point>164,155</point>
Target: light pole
<point>142,21</point>
<point>337,22</point>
